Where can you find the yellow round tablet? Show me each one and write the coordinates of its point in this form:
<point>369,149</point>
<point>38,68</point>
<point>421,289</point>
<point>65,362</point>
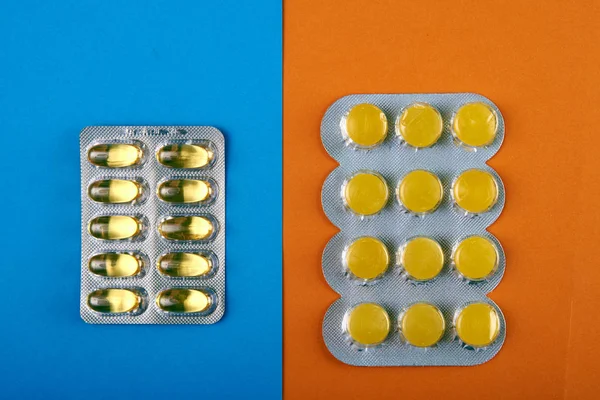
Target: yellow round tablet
<point>365,125</point>
<point>422,325</point>
<point>420,125</point>
<point>476,258</point>
<point>367,258</point>
<point>368,324</point>
<point>420,191</point>
<point>475,124</point>
<point>422,258</point>
<point>475,191</point>
<point>366,193</point>
<point>477,324</point>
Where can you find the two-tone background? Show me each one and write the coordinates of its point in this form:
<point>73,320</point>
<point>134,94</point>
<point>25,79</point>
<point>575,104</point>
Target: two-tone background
<point>232,64</point>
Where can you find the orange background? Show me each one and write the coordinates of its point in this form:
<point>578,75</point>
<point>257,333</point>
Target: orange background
<point>539,62</point>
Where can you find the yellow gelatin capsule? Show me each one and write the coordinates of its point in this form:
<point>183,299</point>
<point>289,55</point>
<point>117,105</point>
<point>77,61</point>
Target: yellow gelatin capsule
<point>186,228</point>
<point>367,258</point>
<point>422,325</point>
<point>183,301</point>
<point>115,191</point>
<point>184,264</point>
<point>115,155</point>
<point>475,124</point>
<point>365,125</point>
<point>420,192</point>
<point>115,264</point>
<point>477,324</point>
<point>368,324</point>
<point>184,191</point>
<point>185,156</point>
<point>475,191</point>
<point>476,258</point>
<point>366,193</point>
<point>114,301</point>
<point>114,227</point>
<point>422,258</point>
<point>420,125</point>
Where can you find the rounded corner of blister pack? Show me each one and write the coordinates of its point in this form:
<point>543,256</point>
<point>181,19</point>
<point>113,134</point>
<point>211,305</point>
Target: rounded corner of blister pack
<point>153,225</point>
<point>333,103</point>
<point>415,253</point>
<point>219,315</point>
<point>84,130</point>
<point>83,316</point>
<point>219,133</point>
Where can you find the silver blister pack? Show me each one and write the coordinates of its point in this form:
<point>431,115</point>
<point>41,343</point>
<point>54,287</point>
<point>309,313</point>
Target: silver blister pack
<point>395,290</point>
<point>152,224</point>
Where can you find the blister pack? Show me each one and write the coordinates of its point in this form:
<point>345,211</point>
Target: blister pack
<point>413,262</point>
<point>152,224</point>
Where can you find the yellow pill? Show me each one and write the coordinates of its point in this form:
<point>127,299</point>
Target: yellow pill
<point>475,124</point>
<point>420,125</point>
<point>183,300</point>
<point>115,191</point>
<point>366,125</point>
<point>186,228</point>
<point>185,156</point>
<point>368,324</point>
<point>475,191</point>
<point>367,258</point>
<point>422,325</point>
<point>422,258</point>
<point>477,324</point>
<point>184,264</point>
<point>115,155</point>
<point>476,258</point>
<point>420,192</point>
<point>366,193</point>
<point>184,191</point>
<point>114,301</point>
<point>115,227</point>
<point>115,264</point>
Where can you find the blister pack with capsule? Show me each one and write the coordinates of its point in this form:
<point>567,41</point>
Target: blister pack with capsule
<point>413,262</point>
<point>152,224</point>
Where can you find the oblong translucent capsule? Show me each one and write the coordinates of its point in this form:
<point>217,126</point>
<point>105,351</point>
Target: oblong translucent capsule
<point>115,227</point>
<point>115,191</point>
<point>184,300</point>
<point>186,228</point>
<point>115,265</point>
<point>185,191</point>
<point>114,301</point>
<point>180,264</point>
<point>115,155</point>
<point>185,156</point>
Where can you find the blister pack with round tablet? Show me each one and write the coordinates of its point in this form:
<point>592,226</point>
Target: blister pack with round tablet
<point>412,197</point>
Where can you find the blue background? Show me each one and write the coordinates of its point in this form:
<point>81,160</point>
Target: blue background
<point>68,64</point>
